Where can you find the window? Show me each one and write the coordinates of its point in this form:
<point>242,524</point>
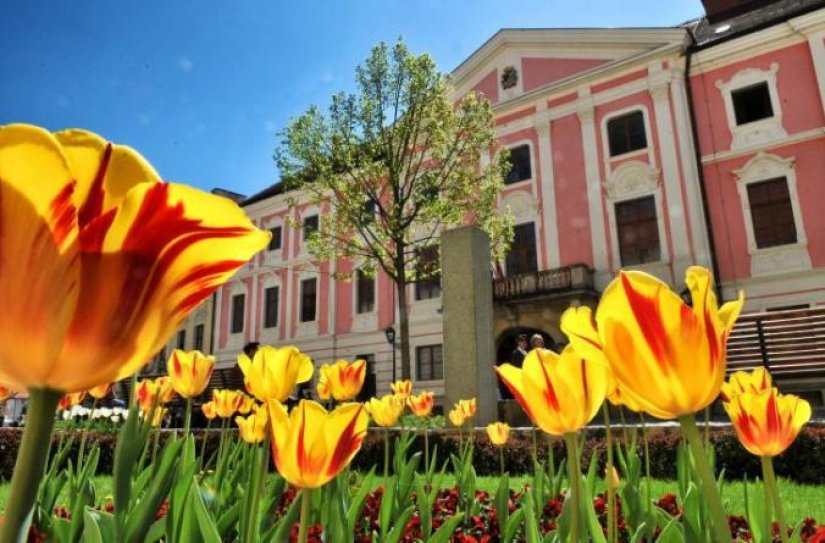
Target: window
<point>429,363</point>
<point>638,231</point>
<point>275,241</point>
<point>271,296</point>
<point>238,302</point>
<point>771,213</point>
<point>310,226</point>
<point>752,103</point>
<point>365,286</point>
<point>429,286</point>
<point>181,339</point>
<point>368,211</point>
<point>198,346</point>
<point>308,298</point>
<point>520,168</point>
<point>522,256</point>
<point>626,133</point>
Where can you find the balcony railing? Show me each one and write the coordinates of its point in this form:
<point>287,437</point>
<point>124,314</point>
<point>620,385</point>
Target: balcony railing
<point>576,277</point>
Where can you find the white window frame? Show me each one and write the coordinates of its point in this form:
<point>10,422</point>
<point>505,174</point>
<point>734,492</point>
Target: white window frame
<point>367,321</point>
<point>782,258</point>
<point>276,256</point>
<point>760,132</point>
<point>630,181</point>
<point>538,243</point>
<point>235,340</point>
<point>306,213</point>
<point>269,335</point>
<point>647,150</point>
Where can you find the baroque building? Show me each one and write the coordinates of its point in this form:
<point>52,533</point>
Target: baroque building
<point>651,149</point>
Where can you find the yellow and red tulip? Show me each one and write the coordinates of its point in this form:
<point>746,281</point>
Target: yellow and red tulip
<point>166,393</point>
<point>342,381</point>
<point>767,422</point>
<point>253,428</point>
<point>272,373</point>
<point>70,400</point>
<point>422,404</point>
<point>189,372</point>
<point>499,433</point>
<point>5,392</point>
<point>157,418</point>
<point>457,417</point>
<point>247,404</point>
<point>311,445</point>
<point>121,257</point>
<point>209,410</point>
<point>386,411</point>
<point>668,358</point>
<point>560,393</point>
<point>101,391</point>
<point>741,382</point>
<point>468,407</point>
<point>402,388</point>
<point>227,402</point>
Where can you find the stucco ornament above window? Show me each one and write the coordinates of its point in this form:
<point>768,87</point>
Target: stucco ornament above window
<point>633,178</point>
<point>509,77</point>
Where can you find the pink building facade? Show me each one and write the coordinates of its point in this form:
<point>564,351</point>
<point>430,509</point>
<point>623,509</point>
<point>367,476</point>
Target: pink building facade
<point>650,149</point>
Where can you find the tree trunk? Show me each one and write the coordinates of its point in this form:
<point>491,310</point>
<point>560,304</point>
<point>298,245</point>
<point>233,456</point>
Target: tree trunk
<point>403,316</point>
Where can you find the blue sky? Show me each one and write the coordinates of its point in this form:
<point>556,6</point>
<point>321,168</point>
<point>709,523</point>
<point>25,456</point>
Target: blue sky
<point>202,87</point>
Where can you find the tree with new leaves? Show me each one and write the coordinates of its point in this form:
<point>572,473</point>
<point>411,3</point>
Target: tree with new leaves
<point>393,165</point>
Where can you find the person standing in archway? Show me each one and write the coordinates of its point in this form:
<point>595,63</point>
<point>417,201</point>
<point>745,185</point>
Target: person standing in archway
<point>536,342</point>
<point>516,359</point>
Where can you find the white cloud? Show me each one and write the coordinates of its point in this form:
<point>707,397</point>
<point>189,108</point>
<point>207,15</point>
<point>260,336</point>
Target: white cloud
<point>186,65</point>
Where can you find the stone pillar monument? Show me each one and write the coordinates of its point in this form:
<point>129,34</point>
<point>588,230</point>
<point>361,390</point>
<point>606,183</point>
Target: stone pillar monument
<point>469,351</point>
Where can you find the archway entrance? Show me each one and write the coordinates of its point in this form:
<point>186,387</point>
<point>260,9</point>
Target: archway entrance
<point>506,341</point>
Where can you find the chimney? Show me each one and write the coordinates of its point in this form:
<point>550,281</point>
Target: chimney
<point>720,10</point>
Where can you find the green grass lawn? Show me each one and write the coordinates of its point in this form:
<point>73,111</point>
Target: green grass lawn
<point>800,500</point>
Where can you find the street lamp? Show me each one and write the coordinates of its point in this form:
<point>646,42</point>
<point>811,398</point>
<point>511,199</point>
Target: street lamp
<point>390,334</point>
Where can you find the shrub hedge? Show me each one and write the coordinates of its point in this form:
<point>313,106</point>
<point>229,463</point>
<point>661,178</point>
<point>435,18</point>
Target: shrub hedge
<point>803,462</point>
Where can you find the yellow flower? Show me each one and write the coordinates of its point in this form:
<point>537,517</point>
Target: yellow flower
<point>166,393</point>
<point>402,388</point>
<point>310,445</point>
<point>101,391</point>
<point>386,411</point>
<point>499,433</point>
<point>342,380</point>
<point>69,400</point>
<point>741,381</point>
<point>667,357</point>
<point>767,422</point>
<point>247,404</point>
<point>121,257</point>
<point>421,405</point>
<point>189,372</point>
<point>209,410</point>
<point>560,393</point>
<point>252,429</point>
<point>457,417</point>
<point>273,372</point>
<point>160,414</point>
<point>468,407</point>
<point>227,402</point>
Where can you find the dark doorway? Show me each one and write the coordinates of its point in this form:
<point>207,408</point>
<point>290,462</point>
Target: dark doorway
<point>506,342</point>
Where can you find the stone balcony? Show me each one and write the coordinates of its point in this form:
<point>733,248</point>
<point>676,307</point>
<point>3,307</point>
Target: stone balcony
<point>555,281</point>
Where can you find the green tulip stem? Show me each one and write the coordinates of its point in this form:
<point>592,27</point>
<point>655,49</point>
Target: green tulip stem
<point>84,434</point>
<point>386,456</point>
<point>203,445</point>
<point>611,492</point>
<point>535,453</point>
<point>306,511</point>
<point>648,502</point>
<point>187,418</point>
<point>771,486</point>
<point>709,489</point>
<point>574,474</point>
<point>501,459</point>
<point>30,464</point>
<point>427,450</point>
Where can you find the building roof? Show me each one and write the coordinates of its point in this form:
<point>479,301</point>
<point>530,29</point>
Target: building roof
<point>270,191</point>
<point>707,33</point>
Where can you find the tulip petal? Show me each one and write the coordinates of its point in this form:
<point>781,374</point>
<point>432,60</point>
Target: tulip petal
<point>39,268</point>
